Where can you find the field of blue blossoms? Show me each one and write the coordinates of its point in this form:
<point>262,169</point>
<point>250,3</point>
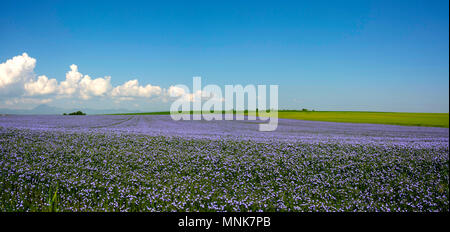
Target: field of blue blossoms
<point>151,163</point>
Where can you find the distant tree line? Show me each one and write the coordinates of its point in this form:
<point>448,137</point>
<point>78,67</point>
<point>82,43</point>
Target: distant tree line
<point>75,113</point>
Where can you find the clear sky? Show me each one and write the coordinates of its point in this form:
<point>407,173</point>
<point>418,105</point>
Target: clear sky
<point>324,55</point>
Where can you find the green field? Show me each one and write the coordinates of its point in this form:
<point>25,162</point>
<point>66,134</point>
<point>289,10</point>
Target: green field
<point>405,119</point>
<point>391,118</point>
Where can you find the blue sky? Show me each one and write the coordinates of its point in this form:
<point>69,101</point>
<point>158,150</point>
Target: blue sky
<point>324,55</point>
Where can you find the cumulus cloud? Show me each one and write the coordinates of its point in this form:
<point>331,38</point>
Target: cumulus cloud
<point>83,86</point>
<point>15,72</point>
<point>175,91</point>
<point>133,89</point>
<point>96,87</point>
<point>184,94</point>
<point>70,85</point>
<point>42,86</point>
<point>18,84</point>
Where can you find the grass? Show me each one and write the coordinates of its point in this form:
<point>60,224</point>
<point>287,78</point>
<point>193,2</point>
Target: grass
<point>404,119</point>
<point>390,118</point>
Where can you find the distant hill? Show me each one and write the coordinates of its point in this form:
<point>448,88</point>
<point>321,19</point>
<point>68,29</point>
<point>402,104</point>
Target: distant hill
<point>51,110</point>
<point>45,109</point>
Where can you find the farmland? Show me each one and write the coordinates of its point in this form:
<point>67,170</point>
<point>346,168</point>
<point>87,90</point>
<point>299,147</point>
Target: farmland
<point>152,163</point>
<point>405,119</point>
<point>389,118</point>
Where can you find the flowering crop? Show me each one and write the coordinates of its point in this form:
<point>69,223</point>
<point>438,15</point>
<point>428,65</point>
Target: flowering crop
<point>151,163</point>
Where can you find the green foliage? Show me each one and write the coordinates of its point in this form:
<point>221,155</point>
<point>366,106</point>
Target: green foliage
<point>76,113</point>
<point>53,202</point>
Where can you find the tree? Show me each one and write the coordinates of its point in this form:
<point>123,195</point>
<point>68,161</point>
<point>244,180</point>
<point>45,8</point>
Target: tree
<point>76,113</point>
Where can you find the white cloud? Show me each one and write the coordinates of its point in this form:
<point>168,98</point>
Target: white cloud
<point>96,87</point>
<point>84,87</point>
<point>70,85</point>
<point>42,86</point>
<point>15,72</point>
<point>25,100</point>
<point>133,89</point>
<point>20,85</point>
<point>183,93</point>
<point>175,91</point>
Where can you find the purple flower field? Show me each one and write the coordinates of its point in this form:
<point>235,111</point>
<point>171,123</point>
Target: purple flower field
<point>152,163</point>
